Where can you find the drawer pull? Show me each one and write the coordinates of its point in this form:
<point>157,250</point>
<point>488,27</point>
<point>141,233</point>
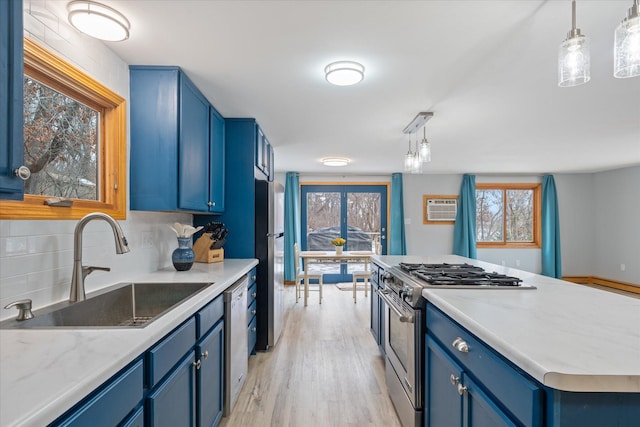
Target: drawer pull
<point>254,311</point>
<point>205,354</point>
<point>254,329</point>
<point>460,345</point>
<point>197,364</point>
<point>454,380</point>
<point>254,294</point>
<point>461,389</point>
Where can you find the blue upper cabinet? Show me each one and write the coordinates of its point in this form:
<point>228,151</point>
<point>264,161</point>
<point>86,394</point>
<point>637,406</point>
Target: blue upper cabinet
<point>216,160</point>
<point>11,70</point>
<point>177,143</point>
<point>264,155</point>
<point>244,143</point>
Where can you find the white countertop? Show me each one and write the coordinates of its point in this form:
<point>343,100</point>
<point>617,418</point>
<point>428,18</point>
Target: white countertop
<point>567,336</point>
<point>43,373</point>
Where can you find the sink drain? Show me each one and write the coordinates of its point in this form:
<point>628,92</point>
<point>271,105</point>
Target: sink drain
<point>136,321</point>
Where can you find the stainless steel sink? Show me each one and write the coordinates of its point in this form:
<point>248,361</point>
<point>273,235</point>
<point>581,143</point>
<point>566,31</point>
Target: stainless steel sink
<point>126,305</point>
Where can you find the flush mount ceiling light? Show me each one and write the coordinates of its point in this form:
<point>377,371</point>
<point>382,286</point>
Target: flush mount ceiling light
<point>626,62</point>
<point>335,161</point>
<point>344,73</point>
<point>98,21</point>
<point>574,58</point>
<point>414,160</point>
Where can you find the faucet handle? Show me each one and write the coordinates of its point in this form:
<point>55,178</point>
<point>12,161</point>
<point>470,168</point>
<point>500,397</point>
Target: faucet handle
<point>24,309</point>
<point>88,269</point>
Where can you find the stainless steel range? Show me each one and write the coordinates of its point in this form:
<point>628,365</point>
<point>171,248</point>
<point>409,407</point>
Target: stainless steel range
<point>405,324</point>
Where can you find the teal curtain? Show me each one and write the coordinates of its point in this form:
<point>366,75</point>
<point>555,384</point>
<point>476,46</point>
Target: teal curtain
<point>397,239</point>
<point>464,231</point>
<point>291,223</point>
<point>551,256</point>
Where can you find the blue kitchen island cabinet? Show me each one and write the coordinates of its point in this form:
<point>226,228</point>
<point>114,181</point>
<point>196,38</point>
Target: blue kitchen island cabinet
<point>468,384</point>
<point>11,72</point>
<point>378,307</point>
<point>177,144</point>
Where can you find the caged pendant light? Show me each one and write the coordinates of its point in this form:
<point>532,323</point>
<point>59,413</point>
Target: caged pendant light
<point>626,51</point>
<point>574,57</point>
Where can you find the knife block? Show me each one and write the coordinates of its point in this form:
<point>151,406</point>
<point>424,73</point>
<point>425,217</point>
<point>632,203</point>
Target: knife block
<point>204,253</point>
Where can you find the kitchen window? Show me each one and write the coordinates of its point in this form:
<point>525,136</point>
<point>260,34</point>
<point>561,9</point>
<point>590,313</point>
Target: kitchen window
<point>508,215</point>
<point>74,142</point>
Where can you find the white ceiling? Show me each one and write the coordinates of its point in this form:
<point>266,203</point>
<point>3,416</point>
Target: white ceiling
<point>486,69</point>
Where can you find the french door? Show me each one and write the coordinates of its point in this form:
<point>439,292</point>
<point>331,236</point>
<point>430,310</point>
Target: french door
<point>357,213</point>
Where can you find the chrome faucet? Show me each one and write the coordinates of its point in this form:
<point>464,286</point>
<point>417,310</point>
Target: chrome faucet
<point>80,272</point>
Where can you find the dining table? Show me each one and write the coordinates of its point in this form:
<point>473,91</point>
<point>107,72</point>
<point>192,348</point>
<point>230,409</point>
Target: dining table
<point>331,257</point>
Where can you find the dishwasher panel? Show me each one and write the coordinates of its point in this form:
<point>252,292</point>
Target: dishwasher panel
<point>236,341</point>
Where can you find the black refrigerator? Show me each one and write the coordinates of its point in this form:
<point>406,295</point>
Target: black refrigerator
<point>269,249</point>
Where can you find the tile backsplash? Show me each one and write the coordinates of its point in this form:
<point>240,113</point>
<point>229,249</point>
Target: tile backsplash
<point>36,256</point>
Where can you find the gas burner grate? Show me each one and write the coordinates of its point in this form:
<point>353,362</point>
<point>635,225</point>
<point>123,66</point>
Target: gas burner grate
<point>440,268</point>
<point>471,278</point>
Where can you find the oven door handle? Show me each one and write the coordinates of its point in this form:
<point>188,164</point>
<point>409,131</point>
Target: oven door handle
<point>392,307</point>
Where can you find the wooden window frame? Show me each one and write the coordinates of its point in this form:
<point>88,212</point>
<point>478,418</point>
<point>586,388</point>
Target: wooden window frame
<point>537,233</point>
<point>53,71</point>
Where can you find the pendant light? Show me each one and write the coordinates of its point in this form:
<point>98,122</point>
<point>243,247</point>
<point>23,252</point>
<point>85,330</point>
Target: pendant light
<point>574,58</point>
<point>626,51</point>
<point>425,147</point>
<point>417,163</point>
<point>408,158</point>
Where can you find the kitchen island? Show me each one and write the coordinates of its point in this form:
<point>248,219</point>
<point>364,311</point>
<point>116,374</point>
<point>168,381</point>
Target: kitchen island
<point>44,372</point>
<point>582,345</point>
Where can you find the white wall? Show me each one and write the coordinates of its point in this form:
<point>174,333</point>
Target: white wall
<point>617,224</point>
<point>575,203</point>
<point>36,256</point>
<point>595,238</point>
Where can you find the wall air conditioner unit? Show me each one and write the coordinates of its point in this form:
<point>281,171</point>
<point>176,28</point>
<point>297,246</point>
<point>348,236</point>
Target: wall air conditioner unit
<point>440,209</point>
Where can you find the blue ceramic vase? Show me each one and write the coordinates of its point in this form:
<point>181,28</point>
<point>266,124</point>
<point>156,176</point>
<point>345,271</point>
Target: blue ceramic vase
<point>183,256</point>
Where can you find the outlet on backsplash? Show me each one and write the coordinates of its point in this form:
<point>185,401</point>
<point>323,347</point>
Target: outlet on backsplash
<point>147,239</point>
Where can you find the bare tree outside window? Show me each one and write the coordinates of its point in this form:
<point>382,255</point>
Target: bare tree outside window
<point>505,215</point>
<point>60,144</point>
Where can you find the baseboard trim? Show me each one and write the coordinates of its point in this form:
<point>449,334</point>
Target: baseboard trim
<point>593,280</point>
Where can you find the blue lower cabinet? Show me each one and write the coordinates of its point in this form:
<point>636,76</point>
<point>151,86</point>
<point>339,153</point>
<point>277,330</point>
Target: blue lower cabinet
<point>136,419</point>
<point>453,398</point>
<point>252,331</point>
<point>443,403</point>
<point>478,410</point>
<point>173,402</point>
<point>111,403</point>
<point>209,380</point>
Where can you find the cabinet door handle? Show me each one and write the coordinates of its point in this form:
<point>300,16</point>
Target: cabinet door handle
<point>461,389</point>
<point>204,355</point>
<point>197,364</point>
<point>23,173</point>
<point>460,345</point>
<point>454,380</point>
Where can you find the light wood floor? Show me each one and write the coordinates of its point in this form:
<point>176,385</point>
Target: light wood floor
<point>326,370</point>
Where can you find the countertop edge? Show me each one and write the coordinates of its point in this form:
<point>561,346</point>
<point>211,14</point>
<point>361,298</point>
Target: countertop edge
<point>13,409</point>
<point>566,336</point>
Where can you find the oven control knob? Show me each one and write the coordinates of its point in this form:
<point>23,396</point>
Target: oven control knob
<point>406,291</point>
<point>388,278</point>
